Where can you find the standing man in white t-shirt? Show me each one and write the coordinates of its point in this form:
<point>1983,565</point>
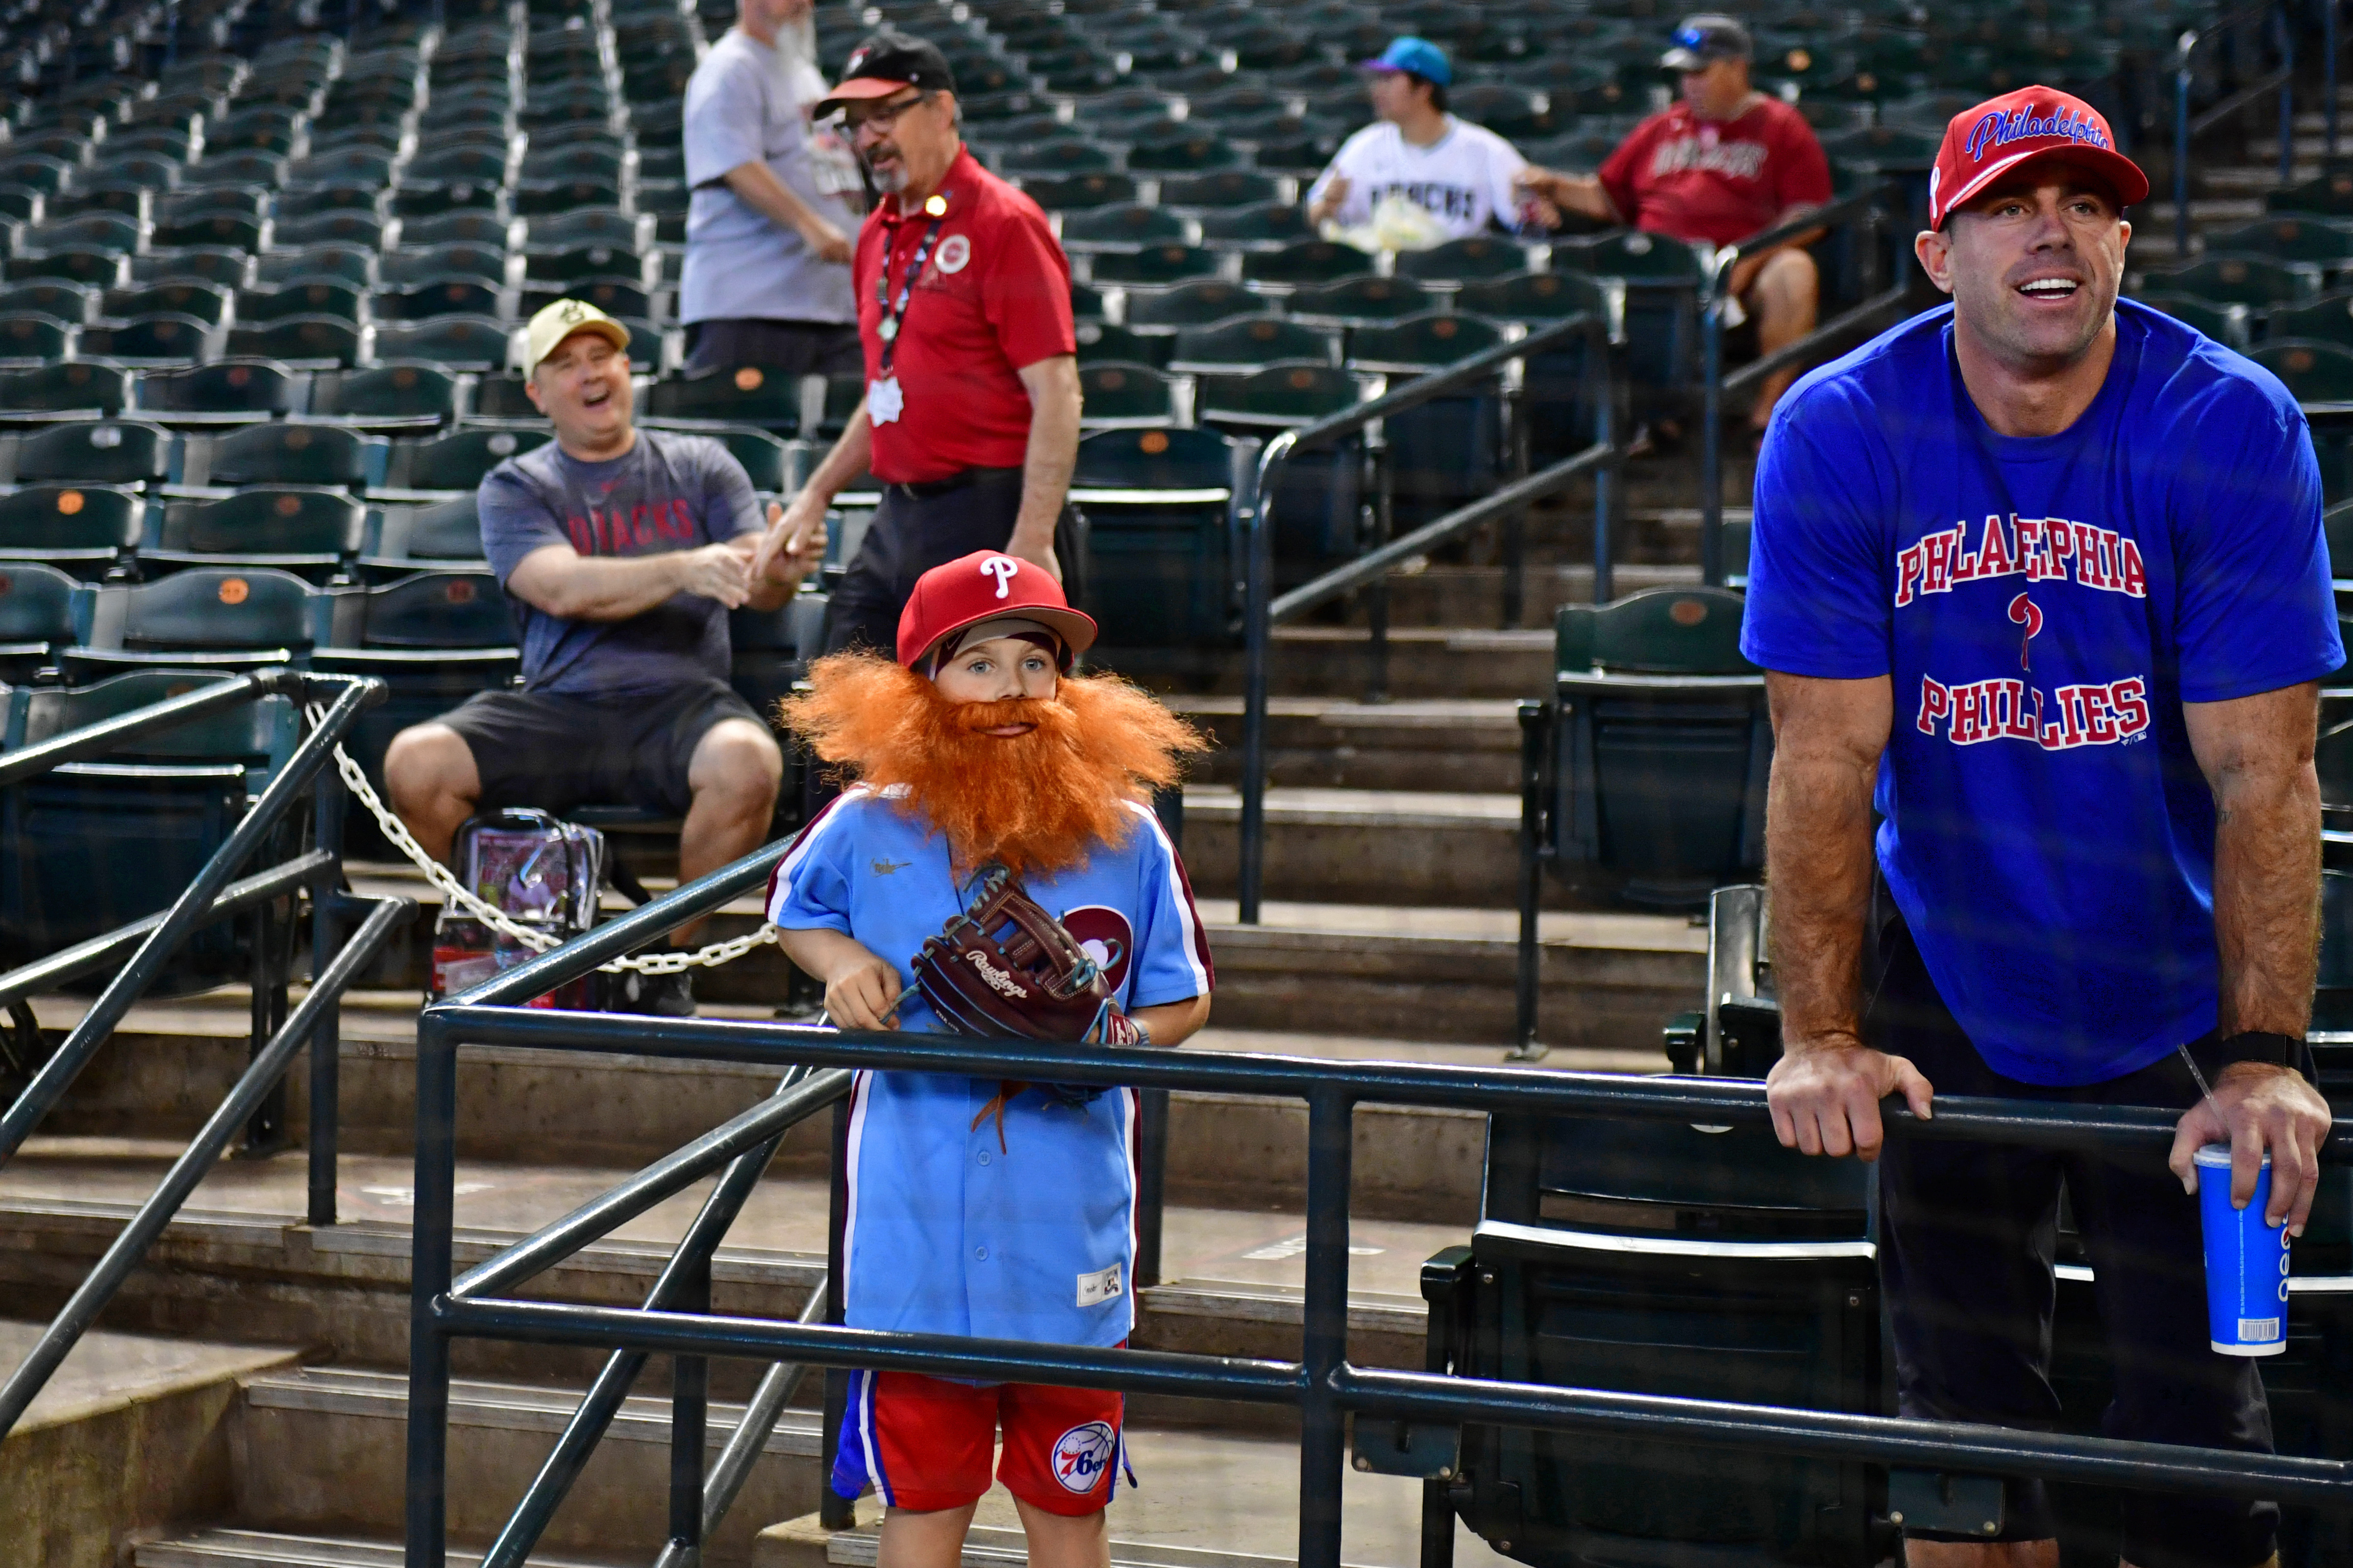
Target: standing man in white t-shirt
<point>1458,173</point>
<point>776,201</point>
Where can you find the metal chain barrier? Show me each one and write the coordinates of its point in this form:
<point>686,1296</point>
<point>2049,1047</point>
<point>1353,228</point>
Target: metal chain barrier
<point>464,898</point>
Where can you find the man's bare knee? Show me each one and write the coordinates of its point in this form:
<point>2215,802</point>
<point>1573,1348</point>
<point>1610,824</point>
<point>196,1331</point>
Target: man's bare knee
<point>431,783</point>
<point>1789,284</point>
<point>737,767</point>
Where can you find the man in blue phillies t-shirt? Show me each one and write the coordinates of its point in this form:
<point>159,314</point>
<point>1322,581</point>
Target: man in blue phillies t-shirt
<point>978,1206</point>
<point>621,551</point>
<point>2049,568</point>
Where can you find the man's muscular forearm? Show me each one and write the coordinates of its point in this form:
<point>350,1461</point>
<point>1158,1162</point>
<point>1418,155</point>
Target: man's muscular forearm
<point>1053,454</point>
<point>2256,755</point>
<point>1818,851</point>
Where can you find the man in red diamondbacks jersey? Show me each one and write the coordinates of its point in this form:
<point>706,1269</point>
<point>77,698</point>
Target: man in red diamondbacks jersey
<point>1725,163</point>
<point>971,414</point>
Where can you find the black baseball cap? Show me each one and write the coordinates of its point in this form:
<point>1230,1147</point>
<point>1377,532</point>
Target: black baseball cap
<point>886,63</point>
<point>1701,41</point>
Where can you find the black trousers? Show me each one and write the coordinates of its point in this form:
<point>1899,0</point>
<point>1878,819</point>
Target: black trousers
<point>788,348</point>
<point>1968,1238</point>
<point>912,533</point>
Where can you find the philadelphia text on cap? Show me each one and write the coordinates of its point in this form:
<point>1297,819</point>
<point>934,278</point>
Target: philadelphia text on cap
<point>1999,130</point>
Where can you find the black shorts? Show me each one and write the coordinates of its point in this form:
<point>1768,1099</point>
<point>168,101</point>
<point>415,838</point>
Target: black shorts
<point>1968,1238</point>
<point>911,533</point>
<point>787,348</point>
<point>535,748</point>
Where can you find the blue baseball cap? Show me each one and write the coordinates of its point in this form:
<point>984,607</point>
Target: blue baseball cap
<point>1420,55</point>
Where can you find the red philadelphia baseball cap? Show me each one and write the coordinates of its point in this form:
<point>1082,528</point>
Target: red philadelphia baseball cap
<point>2030,125</point>
<point>988,585</point>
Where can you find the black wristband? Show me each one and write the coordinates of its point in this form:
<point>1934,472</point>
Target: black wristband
<point>2251,1046</point>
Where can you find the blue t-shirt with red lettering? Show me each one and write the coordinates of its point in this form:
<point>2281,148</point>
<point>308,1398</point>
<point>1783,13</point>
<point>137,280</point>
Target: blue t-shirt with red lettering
<point>2045,606</point>
<point>668,491</point>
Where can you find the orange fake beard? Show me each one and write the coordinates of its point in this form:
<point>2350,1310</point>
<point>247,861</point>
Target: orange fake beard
<point>1042,801</point>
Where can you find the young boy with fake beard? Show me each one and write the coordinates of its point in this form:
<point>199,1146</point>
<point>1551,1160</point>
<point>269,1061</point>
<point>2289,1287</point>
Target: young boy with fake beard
<point>970,1212</point>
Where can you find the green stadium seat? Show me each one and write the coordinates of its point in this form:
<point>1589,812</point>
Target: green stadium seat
<point>2253,281</point>
<point>349,264</point>
<point>346,226</point>
<point>314,533</point>
<point>459,258</point>
<point>500,395</point>
<point>91,530</point>
<point>35,171</point>
<point>1189,154</point>
<point>313,296</point>
<point>1164,527</point>
<point>1077,192</point>
<point>1241,344</point>
<point>1448,452</point>
<point>581,263</point>
<point>1194,304</point>
<point>1475,257</point>
<point>2315,371</point>
<point>1063,156</point>
<point>461,227</point>
<point>223,617</point>
<point>444,465</point>
<point>771,649</point>
<point>60,300</point>
<point>410,199</point>
<point>226,391</point>
<point>1360,299</point>
<point>2223,323</point>
<point>1267,225</point>
<point>1117,395</point>
<point>305,341</point>
<point>433,638</point>
<point>2326,195</point>
<point>208,302</point>
<point>1218,189</point>
<point>485,166</point>
<point>96,268</point>
<point>459,341</point>
<point>1100,343</point>
<point>75,391</point>
<point>36,618</point>
<point>278,452</point>
<point>405,536</point>
<point>1314,501</point>
<point>99,451</point>
<point>164,337</point>
<point>1307,261</point>
<point>446,297</point>
<point>91,846</point>
<point>1663,744</point>
<point>586,227</point>
<point>2327,319</point>
<point>211,226</point>
<point>385,397</point>
<point>549,197</point>
<point>1154,265</point>
<point>2291,237</point>
<point>739,394</point>
<point>763,454</point>
<point>1123,227</point>
<point>1419,342</point>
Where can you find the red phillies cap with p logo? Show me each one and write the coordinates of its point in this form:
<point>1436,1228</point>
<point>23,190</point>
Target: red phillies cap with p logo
<point>2032,125</point>
<point>987,585</point>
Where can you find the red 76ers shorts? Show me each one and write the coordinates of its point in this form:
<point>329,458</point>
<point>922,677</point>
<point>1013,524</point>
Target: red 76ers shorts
<point>926,1442</point>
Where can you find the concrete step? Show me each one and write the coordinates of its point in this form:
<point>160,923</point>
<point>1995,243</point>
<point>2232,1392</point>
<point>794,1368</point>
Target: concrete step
<point>1456,849</point>
<point>324,1448</point>
<point>230,1547</point>
<point>131,1434</point>
<point>1470,746</point>
<point>1202,1500</point>
<point>1427,594</point>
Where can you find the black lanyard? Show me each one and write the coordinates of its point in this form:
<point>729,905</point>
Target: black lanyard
<point>894,316</point>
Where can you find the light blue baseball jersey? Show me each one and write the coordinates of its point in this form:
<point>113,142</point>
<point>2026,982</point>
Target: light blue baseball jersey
<point>946,1231</point>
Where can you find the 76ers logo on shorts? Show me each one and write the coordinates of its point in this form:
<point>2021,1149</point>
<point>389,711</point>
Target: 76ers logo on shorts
<point>1106,937</point>
<point>1083,1453</point>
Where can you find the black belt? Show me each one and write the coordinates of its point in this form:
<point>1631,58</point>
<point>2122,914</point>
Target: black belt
<point>927,488</point>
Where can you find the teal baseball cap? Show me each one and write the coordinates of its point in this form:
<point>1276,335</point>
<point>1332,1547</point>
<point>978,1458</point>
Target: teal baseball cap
<point>1420,55</point>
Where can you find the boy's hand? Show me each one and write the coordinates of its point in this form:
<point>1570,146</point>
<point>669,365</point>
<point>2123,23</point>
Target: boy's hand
<point>862,992</point>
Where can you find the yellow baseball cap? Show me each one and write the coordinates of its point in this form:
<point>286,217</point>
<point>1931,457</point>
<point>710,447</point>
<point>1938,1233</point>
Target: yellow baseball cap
<point>559,321</point>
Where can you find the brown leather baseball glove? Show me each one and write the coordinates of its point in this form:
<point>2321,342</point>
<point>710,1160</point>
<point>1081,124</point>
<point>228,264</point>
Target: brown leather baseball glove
<point>1004,968</point>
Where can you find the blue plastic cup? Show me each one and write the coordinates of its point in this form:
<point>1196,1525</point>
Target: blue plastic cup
<point>2246,1261</point>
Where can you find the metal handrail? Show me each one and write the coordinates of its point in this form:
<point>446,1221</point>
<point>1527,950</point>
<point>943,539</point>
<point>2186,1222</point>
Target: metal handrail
<point>1322,1382</point>
<point>210,896</point>
<point>1714,383</point>
<point>2283,79</point>
<point>1262,612</point>
<point>194,906</point>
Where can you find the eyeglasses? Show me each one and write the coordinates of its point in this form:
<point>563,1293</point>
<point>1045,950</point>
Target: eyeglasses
<point>883,118</point>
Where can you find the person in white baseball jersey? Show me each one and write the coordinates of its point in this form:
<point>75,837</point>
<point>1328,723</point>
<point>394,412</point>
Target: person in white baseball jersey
<point>1458,173</point>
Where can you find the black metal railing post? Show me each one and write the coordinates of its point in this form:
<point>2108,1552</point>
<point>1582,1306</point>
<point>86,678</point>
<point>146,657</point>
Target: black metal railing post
<point>1324,1337</point>
<point>2328,70</point>
<point>433,1222</point>
<point>1711,442</point>
<point>1533,733</point>
<point>1257,635</point>
<point>835,1512</point>
<point>2286,94</point>
<point>326,1042</point>
<point>1151,1183</point>
<point>690,1412</point>
<point>1379,520</point>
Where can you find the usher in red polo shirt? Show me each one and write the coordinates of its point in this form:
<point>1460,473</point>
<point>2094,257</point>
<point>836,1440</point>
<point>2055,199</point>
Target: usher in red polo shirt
<point>1718,180</point>
<point>994,296</point>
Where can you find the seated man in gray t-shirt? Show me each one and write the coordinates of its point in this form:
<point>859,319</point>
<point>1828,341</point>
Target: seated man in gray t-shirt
<point>621,551</point>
